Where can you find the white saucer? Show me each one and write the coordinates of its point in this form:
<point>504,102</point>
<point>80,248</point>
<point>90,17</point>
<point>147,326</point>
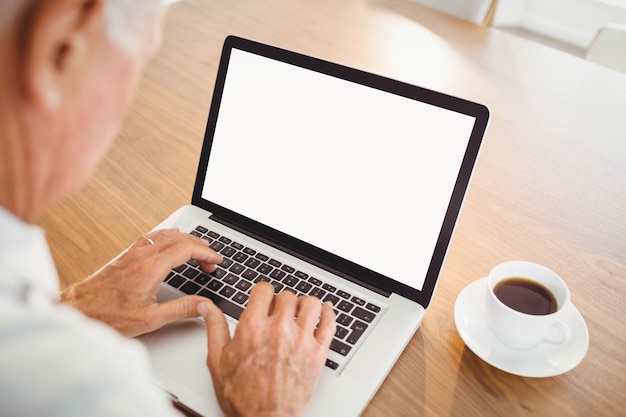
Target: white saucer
<point>544,360</point>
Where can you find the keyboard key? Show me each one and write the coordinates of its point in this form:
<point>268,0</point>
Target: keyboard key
<point>277,286</point>
<point>332,364</point>
<point>365,315</point>
<point>180,268</point>
<point>227,291</point>
<point>332,298</point>
<point>237,246</point>
<point>354,337</point>
<point>329,288</point>
<point>317,292</point>
<point>340,347</point>
<point>249,274</point>
<point>218,273</point>
<point>231,279</point>
<point>344,319</point>
<point>277,274</point>
<point>237,268</point>
<point>358,328</point>
<point>341,332</point>
<point>214,235</point>
<point>191,273</point>
<point>264,269</point>
<point>290,280</point>
<point>240,298</point>
<point>226,263</point>
<point>304,287</point>
<point>201,229</point>
<point>275,263</point>
<point>226,306</point>
<point>344,294</point>
<point>190,287</point>
<point>357,300</point>
<point>358,325</point>
<point>315,281</point>
<point>249,251</point>
<point>243,285</point>
<point>262,278</point>
<point>176,281</point>
<point>373,307</point>
<point>224,239</point>
<point>228,251</point>
<point>240,257</point>
<point>301,275</point>
<point>288,269</point>
<point>217,246</point>
<point>345,306</point>
<point>215,285</point>
<point>202,279</point>
<point>196,234</point>
<point>252,263</point>
<point>262,257</point>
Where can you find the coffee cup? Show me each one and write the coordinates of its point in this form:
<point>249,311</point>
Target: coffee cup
<point>525,304</point>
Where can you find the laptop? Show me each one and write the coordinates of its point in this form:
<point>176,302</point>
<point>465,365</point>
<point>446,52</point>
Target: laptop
<point>323,180</point>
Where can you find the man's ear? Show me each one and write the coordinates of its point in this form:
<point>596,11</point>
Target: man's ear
<point>55,44</point>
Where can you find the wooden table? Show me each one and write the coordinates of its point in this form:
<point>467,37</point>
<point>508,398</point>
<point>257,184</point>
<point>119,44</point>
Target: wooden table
<point>550,184</point>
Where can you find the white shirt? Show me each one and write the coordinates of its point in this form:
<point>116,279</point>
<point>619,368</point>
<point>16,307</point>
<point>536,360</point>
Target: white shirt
<point>54,361</point>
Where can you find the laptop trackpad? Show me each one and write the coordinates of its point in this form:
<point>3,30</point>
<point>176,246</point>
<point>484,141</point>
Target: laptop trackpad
<point>178,351</point>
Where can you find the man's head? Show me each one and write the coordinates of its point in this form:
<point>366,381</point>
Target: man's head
<point>68,73</point>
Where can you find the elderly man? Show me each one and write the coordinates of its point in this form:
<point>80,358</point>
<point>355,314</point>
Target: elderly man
<point>67,74</point>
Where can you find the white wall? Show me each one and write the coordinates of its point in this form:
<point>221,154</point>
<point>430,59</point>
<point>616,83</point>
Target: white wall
<point>574,22</point>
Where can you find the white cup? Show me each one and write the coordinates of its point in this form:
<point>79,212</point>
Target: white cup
<point>521,330</point>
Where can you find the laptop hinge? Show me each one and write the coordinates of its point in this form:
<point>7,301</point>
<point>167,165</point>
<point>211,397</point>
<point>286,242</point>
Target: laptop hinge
<point>300,256</point>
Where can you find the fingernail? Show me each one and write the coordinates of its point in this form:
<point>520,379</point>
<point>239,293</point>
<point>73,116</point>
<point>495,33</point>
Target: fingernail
<point>203,308</point>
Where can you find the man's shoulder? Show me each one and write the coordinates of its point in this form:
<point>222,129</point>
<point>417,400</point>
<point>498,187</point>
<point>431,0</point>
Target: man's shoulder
<point>56,357</point>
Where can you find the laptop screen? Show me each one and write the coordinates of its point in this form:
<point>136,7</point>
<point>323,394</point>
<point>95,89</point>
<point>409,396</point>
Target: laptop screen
<point>357,171</point>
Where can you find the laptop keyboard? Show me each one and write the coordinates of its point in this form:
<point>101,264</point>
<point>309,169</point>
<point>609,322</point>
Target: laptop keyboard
<point>230,284</point>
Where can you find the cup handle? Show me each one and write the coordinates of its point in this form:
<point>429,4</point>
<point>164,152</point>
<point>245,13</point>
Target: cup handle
<point>559,334</point>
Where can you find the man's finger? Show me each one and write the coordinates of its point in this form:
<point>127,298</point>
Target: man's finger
<point>261,297</point>
<point>326,327</point>
<point>285,305</point>
<point>309,311</point>
<point>217,332</point>
<point>184,248</point>
<point>180,308</point>
<point>160,238</point>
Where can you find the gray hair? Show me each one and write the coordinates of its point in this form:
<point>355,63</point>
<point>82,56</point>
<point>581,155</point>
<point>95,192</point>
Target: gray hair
<point>127,20</point>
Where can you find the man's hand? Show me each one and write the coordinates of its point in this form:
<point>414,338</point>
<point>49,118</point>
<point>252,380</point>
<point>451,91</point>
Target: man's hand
<point>123,294</point>
<point>272,364</point>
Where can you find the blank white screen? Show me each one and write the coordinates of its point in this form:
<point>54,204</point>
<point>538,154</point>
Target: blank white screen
<point>359,172</point>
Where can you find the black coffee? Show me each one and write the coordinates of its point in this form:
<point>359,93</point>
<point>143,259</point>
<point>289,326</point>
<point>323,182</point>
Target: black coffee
<point>525,296</point>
